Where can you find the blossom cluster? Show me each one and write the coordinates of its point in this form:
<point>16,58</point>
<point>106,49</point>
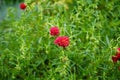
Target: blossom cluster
<point>117,56</point>
<point>62,41</point>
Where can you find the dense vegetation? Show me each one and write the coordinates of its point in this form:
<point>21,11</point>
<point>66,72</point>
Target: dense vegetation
<point>27,50</point>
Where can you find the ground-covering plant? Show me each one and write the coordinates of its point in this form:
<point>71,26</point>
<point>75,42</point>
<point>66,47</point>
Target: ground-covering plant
<point>28,51</point>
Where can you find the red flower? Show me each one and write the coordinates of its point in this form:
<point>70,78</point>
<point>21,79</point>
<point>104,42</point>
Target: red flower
<point>118,50</point>
<point>54,31</point>
<point>114,58</point>
<point>118,55</point>
<point>22,6</point>
<point>62,41</point>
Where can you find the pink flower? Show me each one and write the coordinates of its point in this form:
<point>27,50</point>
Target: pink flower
<point>114,58</point>
<point>22,6</point>
<point>54,31</point>
<point>62,41</point>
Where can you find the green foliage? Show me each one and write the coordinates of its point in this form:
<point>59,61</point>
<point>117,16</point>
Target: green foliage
<point>27,50</point>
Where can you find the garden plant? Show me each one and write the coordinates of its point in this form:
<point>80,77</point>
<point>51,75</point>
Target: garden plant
<point>59,39</point>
